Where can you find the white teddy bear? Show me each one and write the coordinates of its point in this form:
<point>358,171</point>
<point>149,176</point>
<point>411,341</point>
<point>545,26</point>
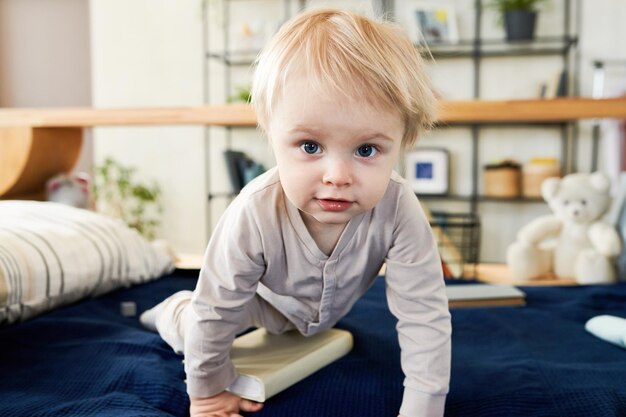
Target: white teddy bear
<point>585,245</point>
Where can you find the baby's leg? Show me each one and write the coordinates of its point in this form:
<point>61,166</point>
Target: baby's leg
<point>169,318</point>
<point>260,313</point>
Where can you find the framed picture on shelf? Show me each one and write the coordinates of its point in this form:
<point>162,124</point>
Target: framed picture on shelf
<point>428,171</point>
<point>437,24</point>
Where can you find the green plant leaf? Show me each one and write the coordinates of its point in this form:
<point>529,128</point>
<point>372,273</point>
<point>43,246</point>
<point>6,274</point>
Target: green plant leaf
<point>507,5</point>
<point>119,194</point>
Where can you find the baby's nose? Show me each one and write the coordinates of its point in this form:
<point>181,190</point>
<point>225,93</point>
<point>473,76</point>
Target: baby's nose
<point>338,173</point>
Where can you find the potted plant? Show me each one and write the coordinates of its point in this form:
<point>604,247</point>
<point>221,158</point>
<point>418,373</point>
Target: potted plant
<point>519,17</point>
<point>118,194</point>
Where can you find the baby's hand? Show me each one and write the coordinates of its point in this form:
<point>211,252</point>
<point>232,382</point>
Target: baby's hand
<point>224,404</point>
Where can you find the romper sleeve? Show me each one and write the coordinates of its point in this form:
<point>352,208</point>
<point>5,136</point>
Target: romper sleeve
<point>232,267</point>
<point>417,298</point>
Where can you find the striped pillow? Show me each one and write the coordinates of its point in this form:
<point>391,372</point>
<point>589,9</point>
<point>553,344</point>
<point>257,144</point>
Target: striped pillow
<point>52,254</point>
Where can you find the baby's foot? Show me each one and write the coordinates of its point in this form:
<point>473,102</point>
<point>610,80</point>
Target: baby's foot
<point>148,318</point>
<point>170,309</point>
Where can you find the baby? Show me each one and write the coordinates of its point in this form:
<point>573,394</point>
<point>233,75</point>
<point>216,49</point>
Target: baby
<point>340,97</point>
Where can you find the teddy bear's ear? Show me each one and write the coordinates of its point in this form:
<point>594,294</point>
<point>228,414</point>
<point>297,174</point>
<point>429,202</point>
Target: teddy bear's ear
<point>600,181</point>
<point>549,188</point>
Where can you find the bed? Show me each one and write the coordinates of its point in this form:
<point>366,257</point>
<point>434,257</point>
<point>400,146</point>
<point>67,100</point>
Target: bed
<point>87,359</point>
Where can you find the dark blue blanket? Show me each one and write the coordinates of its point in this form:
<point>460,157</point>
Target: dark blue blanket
<point>88,360</point>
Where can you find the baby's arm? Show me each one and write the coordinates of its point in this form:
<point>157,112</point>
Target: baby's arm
<point>424,336</point>
<point>223,404</point>
<point>416,296</point>
<point>232,267</point>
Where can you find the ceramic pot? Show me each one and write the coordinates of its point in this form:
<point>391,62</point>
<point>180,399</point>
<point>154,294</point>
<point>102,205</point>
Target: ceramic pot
<point>520,25</point>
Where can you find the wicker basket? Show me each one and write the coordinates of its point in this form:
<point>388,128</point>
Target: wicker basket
<point>502,181</point>
<point>535,172</point>
<point>458,241</point>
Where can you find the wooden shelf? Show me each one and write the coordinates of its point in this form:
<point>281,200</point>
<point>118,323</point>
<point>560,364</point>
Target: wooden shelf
<point>226,115</point>
<point>531,111</point>
<point>500,274</point>
<point>451,112</point>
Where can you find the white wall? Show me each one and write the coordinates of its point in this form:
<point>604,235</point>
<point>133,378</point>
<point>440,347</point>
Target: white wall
<point>44,53</point>
<point>44,57</point>
<point>148,53</point>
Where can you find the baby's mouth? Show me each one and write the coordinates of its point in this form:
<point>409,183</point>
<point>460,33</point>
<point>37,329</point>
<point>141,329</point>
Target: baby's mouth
<point>334,205</point>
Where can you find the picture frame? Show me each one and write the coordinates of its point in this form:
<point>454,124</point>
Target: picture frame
<point>428,171</point>
<point>437,24</point>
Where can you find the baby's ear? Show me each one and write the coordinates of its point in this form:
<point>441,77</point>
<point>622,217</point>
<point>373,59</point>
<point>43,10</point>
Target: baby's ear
<point>549,188</point>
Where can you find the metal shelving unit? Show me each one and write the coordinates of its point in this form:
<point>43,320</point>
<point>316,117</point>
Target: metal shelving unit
<point>475,50</point>
<point>229,58</point>
<point>489,48</point>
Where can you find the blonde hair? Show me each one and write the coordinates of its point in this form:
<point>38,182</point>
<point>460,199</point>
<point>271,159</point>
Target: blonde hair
<point>352,54</point>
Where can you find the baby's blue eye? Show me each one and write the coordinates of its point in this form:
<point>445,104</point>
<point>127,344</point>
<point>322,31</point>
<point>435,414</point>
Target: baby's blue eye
<point>366,151</point>
<point>310,147</point>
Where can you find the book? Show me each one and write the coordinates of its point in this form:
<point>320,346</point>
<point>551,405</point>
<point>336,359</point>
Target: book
<point>241,169</point>
<point>484,295</point>
<point>235,163</point>
<point>267,364</point>
<point>557,86</point>
<point>562,85</point>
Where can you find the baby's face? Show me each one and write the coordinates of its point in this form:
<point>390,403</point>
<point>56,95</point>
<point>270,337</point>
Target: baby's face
<point>334,155</point>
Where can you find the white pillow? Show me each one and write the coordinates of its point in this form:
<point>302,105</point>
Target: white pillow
<point>52,254</point>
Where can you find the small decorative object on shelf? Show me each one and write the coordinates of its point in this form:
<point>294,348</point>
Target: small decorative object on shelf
<point>70,189</point>
<point>437,24</point>
<point>519,17</point>
<point>535,171</point>
<point>427,170</point>
<point>252,35</point>
<point>502,179</point>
